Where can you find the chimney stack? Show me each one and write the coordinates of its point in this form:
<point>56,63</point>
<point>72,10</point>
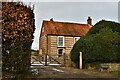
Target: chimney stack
<point>89,21</point>
<point>51,19</point>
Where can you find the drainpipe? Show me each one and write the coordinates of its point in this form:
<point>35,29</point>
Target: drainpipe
<point>46,50</point>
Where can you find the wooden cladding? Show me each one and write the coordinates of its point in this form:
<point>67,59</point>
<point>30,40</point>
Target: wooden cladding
<point>69,42</point>
<point>53,44</point>
<point>43,44</point>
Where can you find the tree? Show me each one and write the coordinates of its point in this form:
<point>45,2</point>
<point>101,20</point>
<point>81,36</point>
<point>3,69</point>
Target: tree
<point>100,45</point>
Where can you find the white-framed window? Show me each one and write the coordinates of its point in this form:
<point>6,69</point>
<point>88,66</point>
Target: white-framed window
<point>60,41</point>
<point>60,52</point>
<point>76,39</point>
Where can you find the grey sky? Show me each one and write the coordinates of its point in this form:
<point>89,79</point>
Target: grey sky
<point>119,11</point>
<point>72,12</point>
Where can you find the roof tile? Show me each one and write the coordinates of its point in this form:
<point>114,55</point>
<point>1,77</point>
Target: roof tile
<point>65,28</point>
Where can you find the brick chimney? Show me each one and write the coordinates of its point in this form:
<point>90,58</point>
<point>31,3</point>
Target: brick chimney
<point>51,19</point>
<point>89,21</point>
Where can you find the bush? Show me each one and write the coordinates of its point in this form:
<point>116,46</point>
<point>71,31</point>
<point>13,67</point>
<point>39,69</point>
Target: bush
<point>17,37</point>
<point>100,45</point>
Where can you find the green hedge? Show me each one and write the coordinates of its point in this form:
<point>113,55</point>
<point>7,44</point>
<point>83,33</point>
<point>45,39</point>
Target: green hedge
<point>100,45</point>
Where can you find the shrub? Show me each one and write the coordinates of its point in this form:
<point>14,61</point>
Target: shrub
<point>17,37</point>
<point>100,45</point>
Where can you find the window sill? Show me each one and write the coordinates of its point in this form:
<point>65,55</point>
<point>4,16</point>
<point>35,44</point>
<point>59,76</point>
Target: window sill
<point>60,47</point>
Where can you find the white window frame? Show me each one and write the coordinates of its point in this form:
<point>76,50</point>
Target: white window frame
<point>58,41</point>
<point>75,38</point>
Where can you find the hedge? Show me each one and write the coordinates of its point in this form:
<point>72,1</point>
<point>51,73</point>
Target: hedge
<point>100,45</point>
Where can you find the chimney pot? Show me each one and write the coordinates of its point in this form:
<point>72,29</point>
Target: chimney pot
<point>51,19</point>
<point>89,21</point>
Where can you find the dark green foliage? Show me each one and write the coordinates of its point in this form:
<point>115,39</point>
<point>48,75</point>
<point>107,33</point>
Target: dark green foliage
<point>105,24</point>
<point>100,45</point>
<point>17,37</point>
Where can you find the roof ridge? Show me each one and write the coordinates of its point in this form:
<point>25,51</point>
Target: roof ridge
<point>65,22</point>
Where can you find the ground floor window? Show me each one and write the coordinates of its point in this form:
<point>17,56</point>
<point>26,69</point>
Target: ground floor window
<point>60,52</point>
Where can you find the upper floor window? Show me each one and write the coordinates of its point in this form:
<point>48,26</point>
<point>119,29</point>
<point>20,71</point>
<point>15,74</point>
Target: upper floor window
<point>76,39</point>
<point>60,41</point>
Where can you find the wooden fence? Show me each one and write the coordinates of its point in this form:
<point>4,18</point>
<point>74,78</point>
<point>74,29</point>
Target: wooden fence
<point>64,60</point>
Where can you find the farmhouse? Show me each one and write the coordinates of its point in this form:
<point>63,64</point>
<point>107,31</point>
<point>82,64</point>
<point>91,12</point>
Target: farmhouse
<point>57,38</point>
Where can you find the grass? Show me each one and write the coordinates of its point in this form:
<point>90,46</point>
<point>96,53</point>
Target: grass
<point>116,73</point>
<point>34,54</point>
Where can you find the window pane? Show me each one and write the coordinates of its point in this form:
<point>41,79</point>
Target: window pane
<point>60,52</point>
<point>60,41</point>
<point>76,39</point>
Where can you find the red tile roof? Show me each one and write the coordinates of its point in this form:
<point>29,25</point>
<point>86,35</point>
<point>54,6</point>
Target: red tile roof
<point>65,28</point>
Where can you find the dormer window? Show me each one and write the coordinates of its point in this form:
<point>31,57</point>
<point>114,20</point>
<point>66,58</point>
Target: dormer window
<point>60,41</point>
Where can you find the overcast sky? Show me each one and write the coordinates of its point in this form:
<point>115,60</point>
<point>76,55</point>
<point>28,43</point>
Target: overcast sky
<point>119,11</point>
<point>75,11</point>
